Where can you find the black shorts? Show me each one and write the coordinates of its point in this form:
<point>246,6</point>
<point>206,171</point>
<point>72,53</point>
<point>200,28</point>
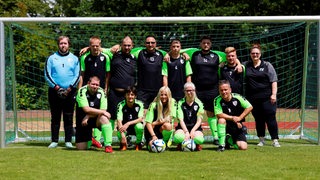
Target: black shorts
<point>114,98</point>
<point>207,97</point>
<point>146,97</point>
<point>237,134</point>
<point>84,133</point>
<point>157,132</point>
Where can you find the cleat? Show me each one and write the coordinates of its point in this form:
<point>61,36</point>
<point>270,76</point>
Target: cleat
<point>96,143</point>
<point>53,145</point>
<point>275,143</point>
<point>216,142</point>
<point>198,147</point>
<point>69,145</point>
<point>123,146</point>
<point>108,149</point>
<point>261,143</point>
<point>179,147</point>
<point>221,148</point>
<point>138,147</point>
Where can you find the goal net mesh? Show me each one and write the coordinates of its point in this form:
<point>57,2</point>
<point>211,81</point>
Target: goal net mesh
<point>283,44</point>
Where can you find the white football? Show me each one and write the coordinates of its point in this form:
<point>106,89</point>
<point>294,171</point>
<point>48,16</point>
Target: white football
<point>188,145</point>
<point>158,146</point>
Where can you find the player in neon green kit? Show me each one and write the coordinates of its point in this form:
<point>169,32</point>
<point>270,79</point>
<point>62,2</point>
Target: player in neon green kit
<point>129,119</point>
<point>189,114</point>
<point>91,112</point>
<point>160,117</point>
<point>231,109</point>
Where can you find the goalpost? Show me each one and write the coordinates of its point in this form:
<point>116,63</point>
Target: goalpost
<point>290,43</point>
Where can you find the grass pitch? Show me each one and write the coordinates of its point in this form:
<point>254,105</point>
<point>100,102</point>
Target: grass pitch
<point>296,159</point>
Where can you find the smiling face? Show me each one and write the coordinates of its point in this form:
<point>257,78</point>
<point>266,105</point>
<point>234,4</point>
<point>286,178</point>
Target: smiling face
<point>225,91</point>
<point>93,85</point>
<point>255,54</point>
<point>164,97</point>
<point>151,44</point>
<point>231,57</point>
<point>130,97</point>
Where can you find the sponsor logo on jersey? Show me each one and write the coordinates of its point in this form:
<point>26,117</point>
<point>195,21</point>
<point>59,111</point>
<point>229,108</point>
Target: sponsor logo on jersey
<point>261,69</point>
<point>152,59</point>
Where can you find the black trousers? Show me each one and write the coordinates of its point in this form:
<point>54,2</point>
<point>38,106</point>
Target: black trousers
<point>65,107</point>
<point>264,113</point>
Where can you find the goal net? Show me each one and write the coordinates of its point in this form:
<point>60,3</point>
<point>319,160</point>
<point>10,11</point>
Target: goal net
<point>291,47</point>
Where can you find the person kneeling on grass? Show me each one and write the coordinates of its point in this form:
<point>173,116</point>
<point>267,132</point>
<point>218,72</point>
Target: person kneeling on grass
<point>160,117</point>
<point>190,113</point>
<point>231,109</point>
<point>91,112</point>
<point>129,119</point>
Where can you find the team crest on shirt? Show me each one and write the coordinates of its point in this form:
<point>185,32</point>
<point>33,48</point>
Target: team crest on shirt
<point>152,59</point>
<point>99,96</point>
<point>196,107</point>
<point>181,61</point>
<point>235,103</point>
<point>157,53</point>
<point>101,58</point>
<point>91,104</point>
<point>128,60</point>
<point>137,109</point>
<point>211,55</point>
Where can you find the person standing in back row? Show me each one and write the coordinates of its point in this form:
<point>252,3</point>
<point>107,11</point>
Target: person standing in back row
<point>62,73</point>
<point>261,91</point>
<point>150,71</point>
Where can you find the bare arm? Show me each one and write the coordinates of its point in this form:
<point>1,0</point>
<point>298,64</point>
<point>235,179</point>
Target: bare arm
<point>274,88</point>
<point>165,80</point>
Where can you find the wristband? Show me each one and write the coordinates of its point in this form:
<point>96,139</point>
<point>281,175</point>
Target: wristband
<point>153,135</point>
<point>56,87</point>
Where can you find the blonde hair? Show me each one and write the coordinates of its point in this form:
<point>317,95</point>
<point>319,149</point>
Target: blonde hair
<point>229,50</point>
<point>164,113</point>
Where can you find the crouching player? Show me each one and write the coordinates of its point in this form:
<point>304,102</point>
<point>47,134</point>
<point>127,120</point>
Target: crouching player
<point>189,114</point>
<point>129,119</point>
<point>231,109</point>
<point>160,117</point>
<point>91,112</point>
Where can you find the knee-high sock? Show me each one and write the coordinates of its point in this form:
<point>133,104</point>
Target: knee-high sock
<point>212,121</point>
<point>222,134</point>
<point>199,139</point>
<point>139,132</point>
<point>166,135</point>
<point>97,134</point>
<point>178,137</point>
<point>106,130</point>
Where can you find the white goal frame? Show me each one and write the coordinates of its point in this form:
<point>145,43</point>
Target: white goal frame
<point>203,19</point>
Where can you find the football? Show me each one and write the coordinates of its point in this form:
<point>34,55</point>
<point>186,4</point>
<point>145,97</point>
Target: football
<point>158,146</point>
<point>188,145</point>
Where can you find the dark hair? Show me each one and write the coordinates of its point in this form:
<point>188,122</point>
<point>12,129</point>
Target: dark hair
<point>176,40</point>
<point>222,82</point>
<point>255,45</point>
<point>94,78</point>
<point>151,36</point>
<point>131,89</point>
<point>205,37</point>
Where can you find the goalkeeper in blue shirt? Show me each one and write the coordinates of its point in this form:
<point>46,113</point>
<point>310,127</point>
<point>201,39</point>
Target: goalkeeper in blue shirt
<point>62,73</point>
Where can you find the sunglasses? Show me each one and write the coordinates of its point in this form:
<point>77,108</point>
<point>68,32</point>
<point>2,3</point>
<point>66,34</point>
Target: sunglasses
<point>150,42</point>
